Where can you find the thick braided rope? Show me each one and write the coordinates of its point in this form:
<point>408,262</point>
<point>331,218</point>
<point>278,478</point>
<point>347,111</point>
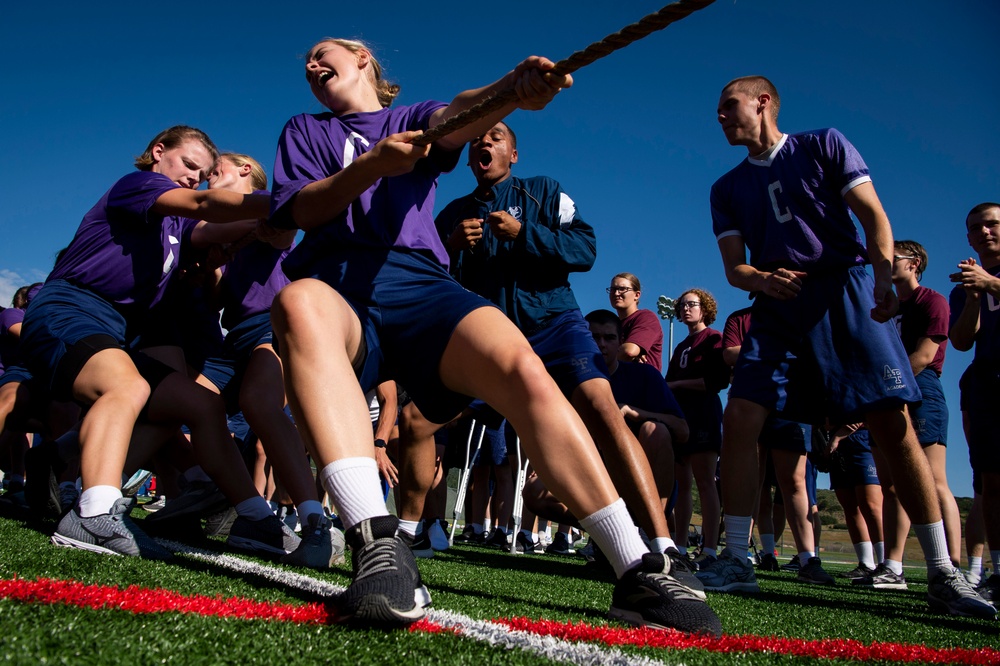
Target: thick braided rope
<point>632,33</point>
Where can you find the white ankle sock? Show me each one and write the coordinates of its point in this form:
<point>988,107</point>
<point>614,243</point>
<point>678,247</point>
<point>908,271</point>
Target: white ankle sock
<point>98,499</point>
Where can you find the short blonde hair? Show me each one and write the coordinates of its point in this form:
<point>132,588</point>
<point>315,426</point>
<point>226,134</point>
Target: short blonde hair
<point>385,90</point>
<point>258,177</point>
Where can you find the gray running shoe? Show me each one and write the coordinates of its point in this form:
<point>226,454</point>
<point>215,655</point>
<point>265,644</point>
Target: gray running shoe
<point>219,524</point>
<point>112,533</point>
<point>267,535</point>
<point>386,590</point>
<point>648,596</point>
<point>949,592</point>
<point>680,568</point>
<point>860,571</point>
<point>197,498</point>
<point>812,572</point>
<point>729,574</point>
<point>882,578</point>
<point>322,545</point>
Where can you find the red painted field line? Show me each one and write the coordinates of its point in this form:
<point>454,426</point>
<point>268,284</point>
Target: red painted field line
<point>832,648</point>
<point>142,600</point>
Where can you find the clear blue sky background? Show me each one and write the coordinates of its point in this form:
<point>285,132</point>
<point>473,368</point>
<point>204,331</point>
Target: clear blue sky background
<point>913,84</point>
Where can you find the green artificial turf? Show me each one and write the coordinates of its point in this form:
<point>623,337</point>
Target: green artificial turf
<point>472,581</point>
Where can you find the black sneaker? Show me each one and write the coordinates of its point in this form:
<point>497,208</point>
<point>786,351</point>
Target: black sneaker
<point>419,545</point>
<point>949,592</point>
<point>466,535</point>
<point>42,467</point>
<point>197,498</point>
<point>680,568</point>
<point>525,545</point>
<point>498,539</point>
<point>386,590</point>
<point>812,572</point>
<point>648,596</point>
<point>860,571</point>
<point>768,562</point>
<point>111,533</point>
<point>560,545</point>
<point>793,564</point>
<point>990,590</point>
<point>267,535</point>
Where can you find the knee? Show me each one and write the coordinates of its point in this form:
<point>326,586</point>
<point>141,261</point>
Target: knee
<point>297,304</point>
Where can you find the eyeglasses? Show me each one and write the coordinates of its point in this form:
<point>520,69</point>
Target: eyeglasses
<point>688,305</point>
<point>903,256</point>
<point>619,290</point>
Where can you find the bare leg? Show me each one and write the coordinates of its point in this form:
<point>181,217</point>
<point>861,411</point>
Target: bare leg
<point>790,469</point>
<point>625,460</point>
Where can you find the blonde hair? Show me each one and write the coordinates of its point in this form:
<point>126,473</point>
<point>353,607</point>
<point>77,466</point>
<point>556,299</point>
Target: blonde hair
<point>171,138</point>
<point>258,177</point>
<point>631,279</point>
<point>385,90</point>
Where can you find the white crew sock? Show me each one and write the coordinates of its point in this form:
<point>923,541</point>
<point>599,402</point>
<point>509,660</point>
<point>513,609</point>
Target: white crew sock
<point>409,527</point>
<point>353,483</point>
<point>878,552</point>
<point>863,549</point>
<point>613,530</point>
<point>661,544</point>
<point>895,567</point>
<point>935,546</point>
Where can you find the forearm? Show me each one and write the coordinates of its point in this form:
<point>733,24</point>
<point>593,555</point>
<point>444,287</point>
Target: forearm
<point>746,277</point>
<point>322,201</point>
<point>963,332</point>
<point>466,100</point>
<point>212,205</point>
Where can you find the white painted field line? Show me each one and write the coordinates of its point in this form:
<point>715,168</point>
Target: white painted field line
<point>586,654</point>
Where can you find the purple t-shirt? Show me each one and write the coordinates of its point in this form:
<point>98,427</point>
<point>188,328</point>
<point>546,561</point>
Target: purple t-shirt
<point>251,281</point>
<point>123,250</point>
<point>988,337</point>
<point>639,385</point>
<point>924,314</point>
<point>642,328</point>
<point>8,342</point>
<point>789,209</point>
<point>396,212</point>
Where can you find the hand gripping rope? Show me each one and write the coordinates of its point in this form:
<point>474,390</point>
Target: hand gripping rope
<point>619,40</point>
<point>631,33</point>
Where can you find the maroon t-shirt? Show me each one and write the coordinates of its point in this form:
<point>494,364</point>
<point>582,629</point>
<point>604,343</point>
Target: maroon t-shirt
<point>925,314</point>
<point>642,328</point>
<point>737,325</point>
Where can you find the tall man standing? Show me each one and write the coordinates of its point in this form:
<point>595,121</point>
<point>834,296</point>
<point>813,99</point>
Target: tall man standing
<point>818,343</point>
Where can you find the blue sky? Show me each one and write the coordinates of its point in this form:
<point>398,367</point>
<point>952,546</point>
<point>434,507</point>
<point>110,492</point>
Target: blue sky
<point>635,142</point>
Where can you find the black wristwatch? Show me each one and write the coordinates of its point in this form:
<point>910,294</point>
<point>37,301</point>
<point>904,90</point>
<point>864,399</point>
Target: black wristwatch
<point>380,444</point>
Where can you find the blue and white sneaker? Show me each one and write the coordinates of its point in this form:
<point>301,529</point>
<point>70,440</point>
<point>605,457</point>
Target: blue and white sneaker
<point>949,592</point>
<point>728,574</point>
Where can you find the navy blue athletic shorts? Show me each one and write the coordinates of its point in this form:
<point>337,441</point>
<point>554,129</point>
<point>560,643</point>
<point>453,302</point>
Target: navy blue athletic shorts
<point>409,307</point>
<point>821,354</point>
<point>856,466</point>
<point>930,417</point>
